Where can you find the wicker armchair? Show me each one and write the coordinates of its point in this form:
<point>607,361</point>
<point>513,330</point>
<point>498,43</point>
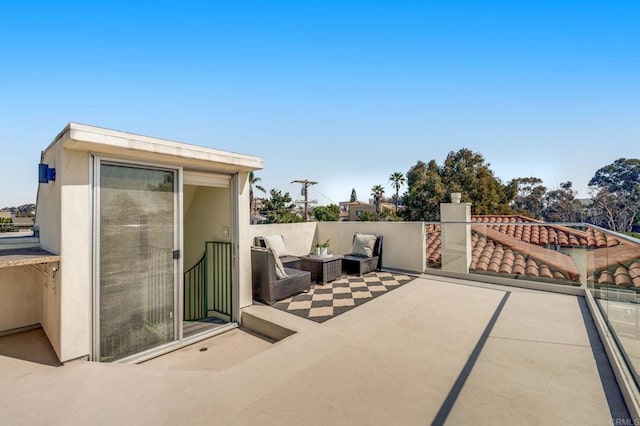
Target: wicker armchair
<point>267,287</point>
<point>359,264</point>
<point>288,261</point>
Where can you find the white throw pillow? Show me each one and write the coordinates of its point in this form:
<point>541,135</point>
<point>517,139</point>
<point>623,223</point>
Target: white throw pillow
<point>276,243</point>
<point>363,244</point>
<point>280,272</point>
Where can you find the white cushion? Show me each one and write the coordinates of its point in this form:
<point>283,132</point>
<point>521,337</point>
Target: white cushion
<point>276,243</point>
<point>280,272</point>
<point>363,244</point>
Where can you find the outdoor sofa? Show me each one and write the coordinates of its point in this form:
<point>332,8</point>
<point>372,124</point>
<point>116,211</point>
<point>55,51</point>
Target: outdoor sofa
<point>366,255</point>
<point>278,246</point>
<point>267,286</point>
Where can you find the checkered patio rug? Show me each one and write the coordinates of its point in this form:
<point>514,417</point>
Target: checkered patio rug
<point>326,301</point>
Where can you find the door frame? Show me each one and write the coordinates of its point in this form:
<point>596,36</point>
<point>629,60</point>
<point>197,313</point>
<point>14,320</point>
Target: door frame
<point>97,160</point>
<point>213,179</point>
<point>180,340</point>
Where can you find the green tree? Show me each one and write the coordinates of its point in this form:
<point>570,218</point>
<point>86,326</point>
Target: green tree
<point>330,213</point>
<point>561,205</point>
<point>386,216</point>
<point>463,171</point>
<point>623,175</point>
<point>6,225</point>
<point>617,194</point>
<point>279,208</point>
<point>528,200</point>
<point>368,217</point>
<point>253,183</point>
<point>425,192</point>
<point>397,180</point>
<point>377,192</point>
<point>467,172</point>
<point>354,196</point>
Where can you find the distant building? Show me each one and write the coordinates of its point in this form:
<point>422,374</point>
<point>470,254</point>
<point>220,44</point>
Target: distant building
<point>357,208</point>
<point>13,223</point>
<point>22,223</point>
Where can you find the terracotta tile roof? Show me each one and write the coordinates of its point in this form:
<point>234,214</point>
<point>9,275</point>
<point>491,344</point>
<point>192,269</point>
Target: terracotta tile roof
<point>489,256</point>
<point>521,246</point>
<point>433,245</point>
<point>621,276</point>
<point>618,265</point>
<point>513,225</point>
<point>549,263</point>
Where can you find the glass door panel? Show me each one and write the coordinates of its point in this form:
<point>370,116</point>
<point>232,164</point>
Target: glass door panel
<point>137,270</point>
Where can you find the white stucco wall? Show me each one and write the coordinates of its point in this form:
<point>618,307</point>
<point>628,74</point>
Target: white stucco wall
<point>50,312</point>
<point>48,213</point>
<point>206,213</point>
<point>456,237</point>
<point>65,217</point>
<point>298,237</point>
<point>48,205</point>
<point>20,297</point>
<point>403,243</point>
<point>243,245</point>
<point>76,249</point>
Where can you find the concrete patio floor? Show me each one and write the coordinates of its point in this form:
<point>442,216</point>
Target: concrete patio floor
<point>428,352</point>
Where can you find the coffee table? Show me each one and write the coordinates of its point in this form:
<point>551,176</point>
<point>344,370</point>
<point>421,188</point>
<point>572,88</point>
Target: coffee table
<point>323,268</point>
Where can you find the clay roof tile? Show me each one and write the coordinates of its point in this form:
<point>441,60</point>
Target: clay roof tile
<point>532,268</point>
<point>606,278</point>
<point>622,277</point>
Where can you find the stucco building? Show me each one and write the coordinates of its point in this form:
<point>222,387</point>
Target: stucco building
<point>139,246</point>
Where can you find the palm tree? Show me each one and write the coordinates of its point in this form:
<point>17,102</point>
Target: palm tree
<point>377,192</point>
<point>397,180</point>
<point>253,182</point>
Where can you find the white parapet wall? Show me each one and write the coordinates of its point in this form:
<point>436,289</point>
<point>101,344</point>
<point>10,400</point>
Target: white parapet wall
<point>298,237</point>
<point>403,242</point>
<point>456,236</point>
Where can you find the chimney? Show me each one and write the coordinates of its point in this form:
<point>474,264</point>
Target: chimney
<point>455,219</point>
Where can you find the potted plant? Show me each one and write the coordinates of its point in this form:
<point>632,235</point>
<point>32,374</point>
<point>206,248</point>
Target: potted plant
<point>322,249</point>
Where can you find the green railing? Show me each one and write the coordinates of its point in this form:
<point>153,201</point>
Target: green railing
<point>208,284</point>
<point>194,292</point>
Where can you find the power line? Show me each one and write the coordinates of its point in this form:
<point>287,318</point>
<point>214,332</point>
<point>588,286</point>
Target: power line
<point>305,193</point>
<point>333,202</point>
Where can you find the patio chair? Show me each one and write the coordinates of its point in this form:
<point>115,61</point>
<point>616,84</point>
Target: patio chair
<point>278,246</point>
<point>267,286</point>
<point>366,255</point>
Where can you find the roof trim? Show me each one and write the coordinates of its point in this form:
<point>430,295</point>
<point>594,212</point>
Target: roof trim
<point>90,138</point>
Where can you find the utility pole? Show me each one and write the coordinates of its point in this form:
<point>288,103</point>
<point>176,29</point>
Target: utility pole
<point>305,193</point>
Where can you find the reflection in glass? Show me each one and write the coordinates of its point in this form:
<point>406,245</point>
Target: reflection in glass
<point>136,224</point>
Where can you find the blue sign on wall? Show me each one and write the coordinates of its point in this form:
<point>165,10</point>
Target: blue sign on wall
<point>46,173</point>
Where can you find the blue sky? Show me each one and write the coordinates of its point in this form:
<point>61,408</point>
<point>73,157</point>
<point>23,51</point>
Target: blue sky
<point>344,93</point>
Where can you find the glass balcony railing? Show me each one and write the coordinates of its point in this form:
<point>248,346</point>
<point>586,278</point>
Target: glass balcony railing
<point>605,263</point>
<point>614,282</point>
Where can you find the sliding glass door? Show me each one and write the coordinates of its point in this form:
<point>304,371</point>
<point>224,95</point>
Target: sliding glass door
<point>136,225</point>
